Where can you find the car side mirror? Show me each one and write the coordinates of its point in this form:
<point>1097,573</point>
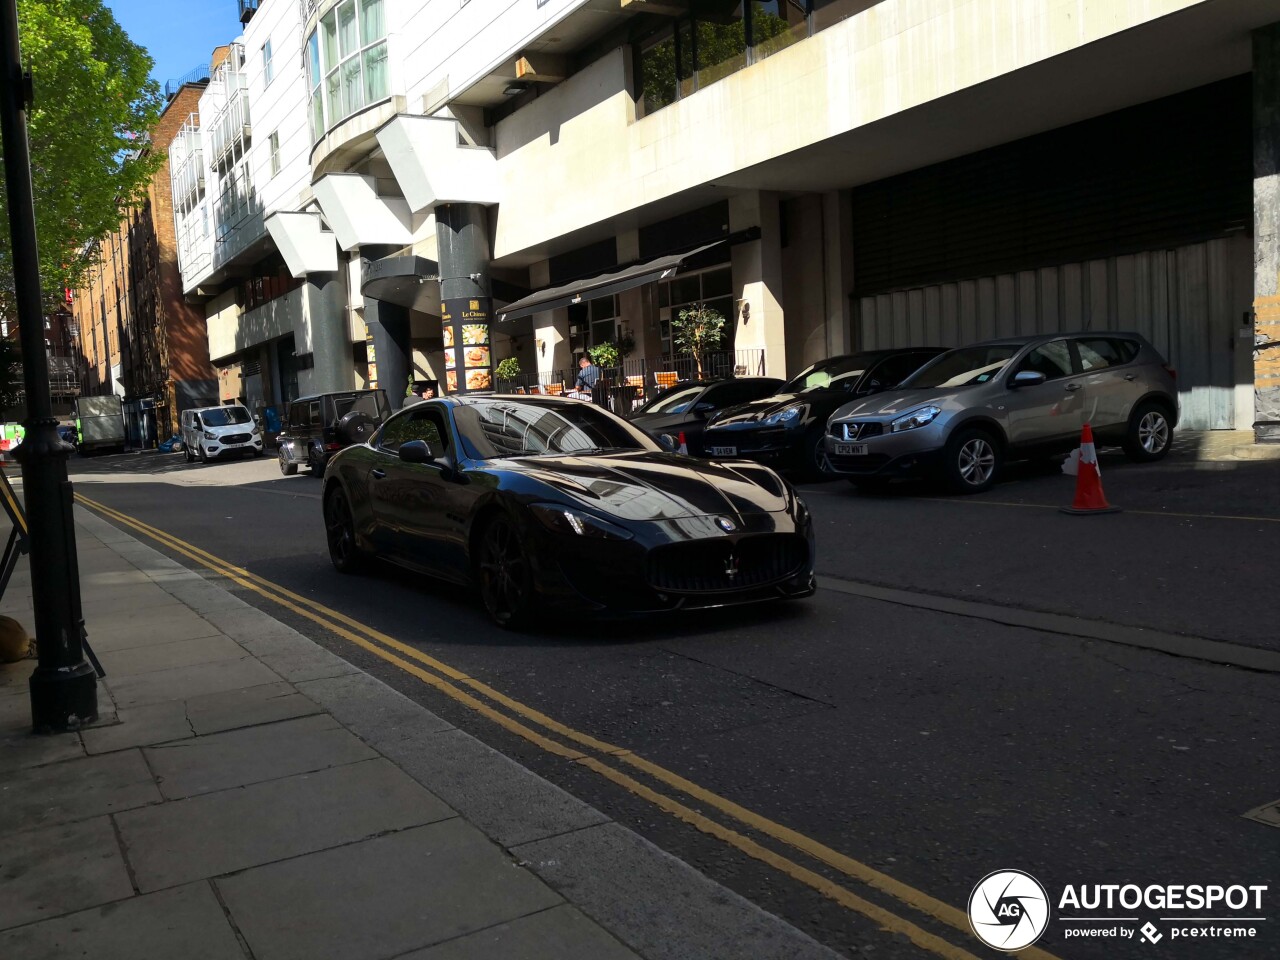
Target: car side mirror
<point>416,451</point>
<point>667,442</point>
<point>1027,378</point>
<point>873,386</point>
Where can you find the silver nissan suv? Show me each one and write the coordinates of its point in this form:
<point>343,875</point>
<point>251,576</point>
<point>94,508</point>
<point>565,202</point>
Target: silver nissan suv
<point>969,410</point>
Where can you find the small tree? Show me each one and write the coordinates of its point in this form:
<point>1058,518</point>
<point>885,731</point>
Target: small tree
<point>606,356</point>
<point>508,369</point>
<point>698,329</point>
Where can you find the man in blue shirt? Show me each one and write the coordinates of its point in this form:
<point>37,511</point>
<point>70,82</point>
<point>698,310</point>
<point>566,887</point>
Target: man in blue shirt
<point>588,376</point>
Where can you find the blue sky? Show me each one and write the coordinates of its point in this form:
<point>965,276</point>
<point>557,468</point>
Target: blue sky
<point>179,34</point>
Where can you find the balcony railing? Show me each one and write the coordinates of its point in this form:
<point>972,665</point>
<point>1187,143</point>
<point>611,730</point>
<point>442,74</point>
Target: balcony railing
<point>230,128</point>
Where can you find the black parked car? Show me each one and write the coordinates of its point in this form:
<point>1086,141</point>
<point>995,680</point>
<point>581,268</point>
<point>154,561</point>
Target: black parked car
<point>686,407</point>
<point>320,425</point>
<point>548,502</point>
<point>787,428</point>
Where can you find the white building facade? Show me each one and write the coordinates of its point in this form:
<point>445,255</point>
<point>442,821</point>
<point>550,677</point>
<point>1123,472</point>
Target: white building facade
<point>830,175</point>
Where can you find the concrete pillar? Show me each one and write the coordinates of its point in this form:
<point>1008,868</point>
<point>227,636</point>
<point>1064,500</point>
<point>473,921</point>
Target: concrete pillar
<point>325,311</point>
<point>757,279</point>
<point>389,325</point>
<point>462,238</point>
<point>638,307</point>
<point>550,329</point>
<point>837,252</point>
<point>1266,232</point>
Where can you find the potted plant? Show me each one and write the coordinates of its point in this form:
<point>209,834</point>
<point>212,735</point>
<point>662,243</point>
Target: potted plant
<point>605,356</point>
<point>507,371</point>
<point>697,331</point>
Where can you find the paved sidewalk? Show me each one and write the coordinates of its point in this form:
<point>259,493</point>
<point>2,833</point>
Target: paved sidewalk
<point>249,795</point>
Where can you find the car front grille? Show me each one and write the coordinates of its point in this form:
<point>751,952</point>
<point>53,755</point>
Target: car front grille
<point>856,431</point>
<point>717,566</point>
<point>235,438</point>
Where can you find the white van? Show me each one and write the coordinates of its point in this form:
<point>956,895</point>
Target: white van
<point>211,432</point>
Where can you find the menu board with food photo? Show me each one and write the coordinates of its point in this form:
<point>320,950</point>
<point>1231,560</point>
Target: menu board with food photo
<point>451,381</point>
<point>479,380</point>
<point>447,330</point>
<point>450,359</point>
<point>475,334</point>
<point>476,357</point>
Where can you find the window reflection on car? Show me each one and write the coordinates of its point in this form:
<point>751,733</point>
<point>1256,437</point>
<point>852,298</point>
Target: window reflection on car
<point>224,416</point>
<point>496,429</point>
<point>827,374</point>
<point>962,368</point>
<point>677,401</point>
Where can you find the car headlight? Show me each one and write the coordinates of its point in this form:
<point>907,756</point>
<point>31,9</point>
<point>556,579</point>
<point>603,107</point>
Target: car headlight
<point>916,418</point>
<point>785,415</point>
<point>577,523</point>
<point>210,436</point>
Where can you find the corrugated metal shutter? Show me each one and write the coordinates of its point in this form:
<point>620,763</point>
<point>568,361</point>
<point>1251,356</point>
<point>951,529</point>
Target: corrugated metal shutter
<point>1188,301</point>
<point>1162,174</point>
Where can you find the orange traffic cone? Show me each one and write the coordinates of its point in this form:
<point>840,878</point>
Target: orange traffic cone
<point>1089,495</point>
<point>684,447</point>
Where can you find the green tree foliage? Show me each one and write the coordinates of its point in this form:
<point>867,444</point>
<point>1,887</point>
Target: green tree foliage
<point>698,330</point>
<point>508,369</point>
<point>605,355</point>
<point>94,105</point>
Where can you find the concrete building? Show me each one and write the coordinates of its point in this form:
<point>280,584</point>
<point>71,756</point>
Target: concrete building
<point>140,337</point>
<point>829,174</point>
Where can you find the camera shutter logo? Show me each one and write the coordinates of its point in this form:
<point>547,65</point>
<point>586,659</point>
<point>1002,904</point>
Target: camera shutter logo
<point>1008,910</point>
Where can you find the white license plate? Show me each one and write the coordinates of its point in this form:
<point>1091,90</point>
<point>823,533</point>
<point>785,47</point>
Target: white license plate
<point>851,449</point>
<point>724,451</point>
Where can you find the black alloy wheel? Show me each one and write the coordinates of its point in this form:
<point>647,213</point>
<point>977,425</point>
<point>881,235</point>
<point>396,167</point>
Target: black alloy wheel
<point>816,447</point>
<point>506,580</point>
<point>204,457</point>
<point>340,532</point>
<point>315,462</point>
<point>186,452</point>
<point>287,467</point>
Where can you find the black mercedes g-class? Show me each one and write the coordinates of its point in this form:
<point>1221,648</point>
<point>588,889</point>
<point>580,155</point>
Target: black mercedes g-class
<point>320,425</point>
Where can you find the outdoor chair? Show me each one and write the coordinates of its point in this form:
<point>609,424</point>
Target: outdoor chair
<point>663,379</point>
<point>554,389</point>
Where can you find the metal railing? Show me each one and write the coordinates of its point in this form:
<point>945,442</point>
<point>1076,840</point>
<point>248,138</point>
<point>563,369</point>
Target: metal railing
<point>716,365</point>
<point>171,87</point>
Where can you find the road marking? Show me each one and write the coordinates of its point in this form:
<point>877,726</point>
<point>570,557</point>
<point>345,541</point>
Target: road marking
<point>373,641</point>
<point>1190,647</point>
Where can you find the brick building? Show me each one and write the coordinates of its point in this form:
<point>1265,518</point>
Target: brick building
<point>139,336</point>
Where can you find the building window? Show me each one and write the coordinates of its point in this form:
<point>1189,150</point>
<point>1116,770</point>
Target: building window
<point>273,145</point>
<point>268,71</point>
<point>347,63</point>
<point>592,323</point>
<point>719,37</point>
<point>713,287</point>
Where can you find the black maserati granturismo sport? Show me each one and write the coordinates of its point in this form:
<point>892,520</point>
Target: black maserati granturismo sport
<point>549,503</point>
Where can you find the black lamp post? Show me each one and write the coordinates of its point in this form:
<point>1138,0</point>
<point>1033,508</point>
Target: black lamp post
<point>64,686</point>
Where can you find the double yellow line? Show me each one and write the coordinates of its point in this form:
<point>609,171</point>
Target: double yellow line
<point>564,741</point>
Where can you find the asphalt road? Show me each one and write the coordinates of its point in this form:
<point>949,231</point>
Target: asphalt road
<point>931,746</point>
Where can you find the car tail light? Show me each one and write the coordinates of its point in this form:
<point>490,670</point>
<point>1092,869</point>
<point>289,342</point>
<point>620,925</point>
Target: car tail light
<point>333,446</point>
<point>1172,372</point>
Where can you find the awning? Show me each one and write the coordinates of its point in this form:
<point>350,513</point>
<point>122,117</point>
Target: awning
<point>602,286</point>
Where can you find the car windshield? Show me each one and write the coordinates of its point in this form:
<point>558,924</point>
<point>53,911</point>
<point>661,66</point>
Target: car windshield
<point>224,416</point>
<point>962,368</point>
<point>370,403</point>
<point>830,374</point>
<point>494,429</point>
<point>675,400</point>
